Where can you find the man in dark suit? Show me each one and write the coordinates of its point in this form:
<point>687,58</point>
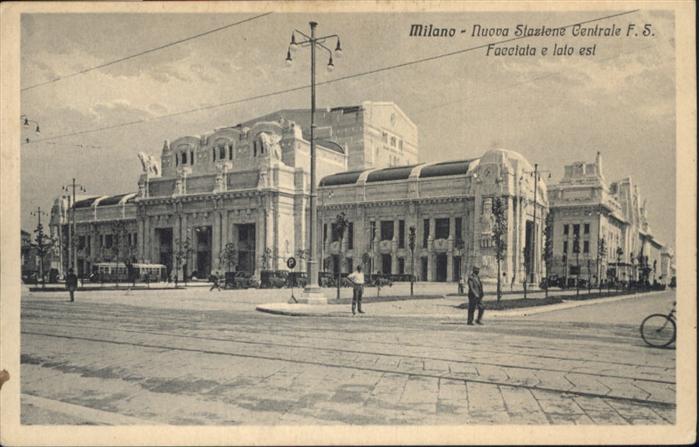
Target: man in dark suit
<point>475,296</point>
<point>71,284</point>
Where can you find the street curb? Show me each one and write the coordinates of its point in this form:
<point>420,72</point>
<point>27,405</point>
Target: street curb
<point>571,304</point>
<point>523,312</point>
<point>300,313</point>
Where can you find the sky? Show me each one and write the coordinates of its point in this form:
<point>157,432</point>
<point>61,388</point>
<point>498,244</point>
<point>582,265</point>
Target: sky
<point>554,110</point>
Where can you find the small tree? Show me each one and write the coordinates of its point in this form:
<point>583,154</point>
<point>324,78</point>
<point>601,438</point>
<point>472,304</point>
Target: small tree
<point>43,245</point>
<point>229,256</point>
<point>341,225</point>
<point>601,256</point>
<point>411,246</point>
<point>123,251</point>
<point>548,250</point>
<point>619,256</point>
<point>499,232</point>
<point>184,250</point>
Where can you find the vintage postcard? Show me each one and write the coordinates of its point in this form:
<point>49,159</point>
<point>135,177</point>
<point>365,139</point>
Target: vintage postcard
<point>348,223</point>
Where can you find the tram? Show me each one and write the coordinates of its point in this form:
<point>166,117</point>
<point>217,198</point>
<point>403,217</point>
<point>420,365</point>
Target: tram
<point>117,271</point>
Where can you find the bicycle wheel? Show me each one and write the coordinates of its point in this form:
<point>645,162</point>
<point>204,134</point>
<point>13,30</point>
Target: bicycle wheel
<point>658,330</point>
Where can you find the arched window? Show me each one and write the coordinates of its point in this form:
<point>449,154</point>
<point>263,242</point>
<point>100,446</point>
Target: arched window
<point>230,152</point>
<point>213,151</point>
<point>184,157</point>
<point>222,152</point>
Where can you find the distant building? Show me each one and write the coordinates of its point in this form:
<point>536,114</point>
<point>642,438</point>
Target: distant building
<point>601,230</point>
<point>375,134</point>
<point>449,204</point>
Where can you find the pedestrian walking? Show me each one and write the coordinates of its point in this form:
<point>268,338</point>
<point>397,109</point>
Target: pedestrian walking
<point>71,284</point>
<point>216,282</point>
<point>357,279</point>
<point>461,285</point>
<point>475,296</point>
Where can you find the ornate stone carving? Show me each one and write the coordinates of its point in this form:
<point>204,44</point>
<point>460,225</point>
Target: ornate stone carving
<point>270,143</point>
<point>150,164</point>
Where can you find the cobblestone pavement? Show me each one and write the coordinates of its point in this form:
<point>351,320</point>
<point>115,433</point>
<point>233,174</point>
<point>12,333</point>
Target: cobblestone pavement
<point>194,357</point>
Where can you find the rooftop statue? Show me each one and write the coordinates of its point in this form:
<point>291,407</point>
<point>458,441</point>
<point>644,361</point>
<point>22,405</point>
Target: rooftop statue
<point>149,163</point>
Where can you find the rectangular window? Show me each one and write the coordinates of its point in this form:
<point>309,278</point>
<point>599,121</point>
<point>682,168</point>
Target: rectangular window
<point>350,237</point>
<point>386,230</point>
<point>184,158</point>
<point>576,229</point>
<point>425,232</point>
<point>334,233</point>
<point>230,152</point>
<point>393,141</point>
<point>401,233</point>
<point>325,232</point>
<point>372,230</point>
<point>135,239</point>
<point>222,152</point>
<point>213,153</point>
<point>565,229</point>
<point>565,246</point>
<point>191,157</point>
<point>81,242</point>
<point>108,241</point>
<point>458,236</point>
<point>441,230</point>
<point>586,228</point>
<point>586,246</point>
<point>177,159</point>
<point>400,144</point>
<point>401,266</point>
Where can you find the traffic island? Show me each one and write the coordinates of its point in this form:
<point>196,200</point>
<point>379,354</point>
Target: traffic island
<point>334,307</point>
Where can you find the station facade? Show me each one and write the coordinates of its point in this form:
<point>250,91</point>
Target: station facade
<point>247,185</point>
<point>450,206</point>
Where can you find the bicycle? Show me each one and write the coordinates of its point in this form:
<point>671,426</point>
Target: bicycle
<point>659,330</point>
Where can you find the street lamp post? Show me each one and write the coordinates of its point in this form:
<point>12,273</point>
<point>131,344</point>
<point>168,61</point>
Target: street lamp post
<point>26,123</point>
<point>72,253</point>
<point>313,292</point>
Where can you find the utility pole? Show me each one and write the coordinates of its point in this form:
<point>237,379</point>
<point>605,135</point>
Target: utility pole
<point>532,254</point>
<point>312,290</point>
<point>72,252</point>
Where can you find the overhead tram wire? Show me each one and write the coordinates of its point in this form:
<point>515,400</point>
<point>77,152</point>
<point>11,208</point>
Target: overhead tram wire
<point>151,50</point>
<point>303,87</point>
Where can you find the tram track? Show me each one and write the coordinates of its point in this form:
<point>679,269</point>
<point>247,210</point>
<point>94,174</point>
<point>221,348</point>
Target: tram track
<point>354,351</point>
<point>427,375</point>
<point>190,320</point>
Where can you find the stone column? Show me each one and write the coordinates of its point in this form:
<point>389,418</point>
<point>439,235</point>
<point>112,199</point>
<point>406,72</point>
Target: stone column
<point>269,233</point>
<point>259,240</point>
<point>141,237</point>
<point>215,240</point>
<point>176,241</point>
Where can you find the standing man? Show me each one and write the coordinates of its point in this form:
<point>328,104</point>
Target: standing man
<point>357,279</point>
<point>475,295</point>
<point>71,284</point>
